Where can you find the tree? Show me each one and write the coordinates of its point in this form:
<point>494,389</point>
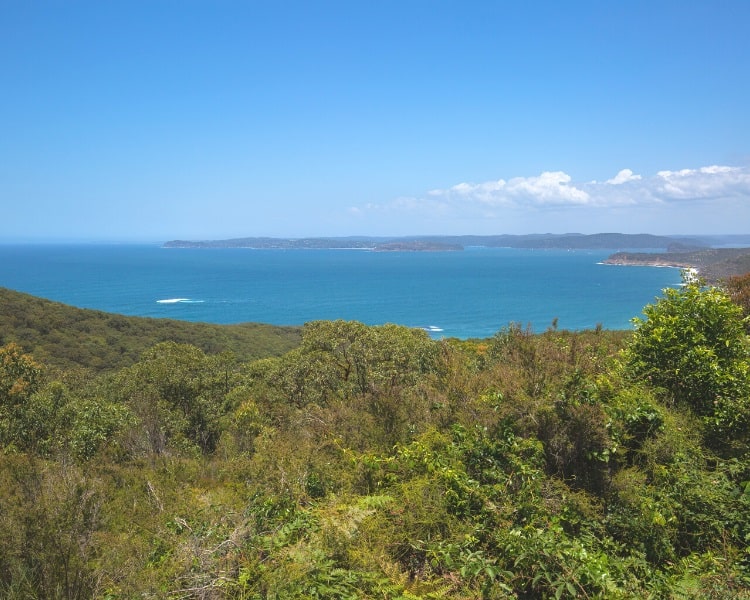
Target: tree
<point>370,360</point>
<point>20,378</point>
<point>177,393</point>
<point>692,343</point>
<point>19,375</point>
<point>738,288</point>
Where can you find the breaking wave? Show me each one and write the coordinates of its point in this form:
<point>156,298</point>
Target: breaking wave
<point>179,301</point>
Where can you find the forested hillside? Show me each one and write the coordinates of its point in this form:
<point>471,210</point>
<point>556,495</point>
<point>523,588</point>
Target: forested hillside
<point>714,264</point>
<point>377,463</point>
<point>67,337</point>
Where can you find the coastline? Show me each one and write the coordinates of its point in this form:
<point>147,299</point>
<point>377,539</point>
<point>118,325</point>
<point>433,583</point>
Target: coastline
<point>713,264</point>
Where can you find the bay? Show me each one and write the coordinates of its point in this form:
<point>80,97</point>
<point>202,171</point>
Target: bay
<point>473,293</point>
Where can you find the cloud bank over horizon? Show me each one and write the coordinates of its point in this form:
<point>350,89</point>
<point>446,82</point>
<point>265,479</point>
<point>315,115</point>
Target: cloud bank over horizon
<point>669,192</point>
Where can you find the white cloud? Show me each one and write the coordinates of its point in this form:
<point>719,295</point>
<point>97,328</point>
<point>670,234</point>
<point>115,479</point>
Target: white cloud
<point>557,189</point>
<point>549,188</point>
<point>623,177</point>
<point>704,183</point>
<point>555,199</point>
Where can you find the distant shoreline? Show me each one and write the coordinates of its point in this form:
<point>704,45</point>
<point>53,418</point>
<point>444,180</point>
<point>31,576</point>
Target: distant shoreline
<point>569,241</point>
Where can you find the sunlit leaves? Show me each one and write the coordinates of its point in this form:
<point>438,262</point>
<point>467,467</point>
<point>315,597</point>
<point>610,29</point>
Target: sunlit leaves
<point>692,343</point>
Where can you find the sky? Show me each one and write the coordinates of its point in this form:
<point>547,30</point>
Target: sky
<point>183,119</point>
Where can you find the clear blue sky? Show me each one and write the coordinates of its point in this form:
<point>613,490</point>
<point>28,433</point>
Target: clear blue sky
<point>155,120</point>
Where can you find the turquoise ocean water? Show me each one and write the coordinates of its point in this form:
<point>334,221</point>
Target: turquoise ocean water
<point>473,293</point>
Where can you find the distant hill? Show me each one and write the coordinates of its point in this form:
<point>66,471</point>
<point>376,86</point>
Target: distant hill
<point>65,337</point>
<point>418,246</point>
<point>282,243</point>
<point>571,241</point>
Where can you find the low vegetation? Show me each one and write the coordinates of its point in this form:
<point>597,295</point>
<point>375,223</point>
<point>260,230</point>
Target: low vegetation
<point>377,463</point>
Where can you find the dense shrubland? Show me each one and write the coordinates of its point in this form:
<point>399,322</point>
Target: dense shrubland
<point>374,462</point>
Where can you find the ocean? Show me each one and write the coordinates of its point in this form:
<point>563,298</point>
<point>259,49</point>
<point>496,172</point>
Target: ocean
<point>469,294</point>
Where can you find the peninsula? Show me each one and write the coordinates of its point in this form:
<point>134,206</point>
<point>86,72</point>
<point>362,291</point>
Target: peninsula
<point>713,264</point>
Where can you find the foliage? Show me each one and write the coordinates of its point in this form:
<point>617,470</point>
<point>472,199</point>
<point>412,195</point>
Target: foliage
<point>738,288</point>
<point>693,344</point>
<point>178,396</point>
<point>376,463</point>
<point>49,514</point>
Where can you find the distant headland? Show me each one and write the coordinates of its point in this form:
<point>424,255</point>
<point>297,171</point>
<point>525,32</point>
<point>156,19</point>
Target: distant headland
<point>712,264</point>
<point>343,243</point>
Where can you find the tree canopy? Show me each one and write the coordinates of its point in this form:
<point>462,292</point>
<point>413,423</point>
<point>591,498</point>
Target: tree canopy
<point>693,344</point>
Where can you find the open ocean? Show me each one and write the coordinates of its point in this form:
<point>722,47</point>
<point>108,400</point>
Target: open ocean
<point>473,293</point>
